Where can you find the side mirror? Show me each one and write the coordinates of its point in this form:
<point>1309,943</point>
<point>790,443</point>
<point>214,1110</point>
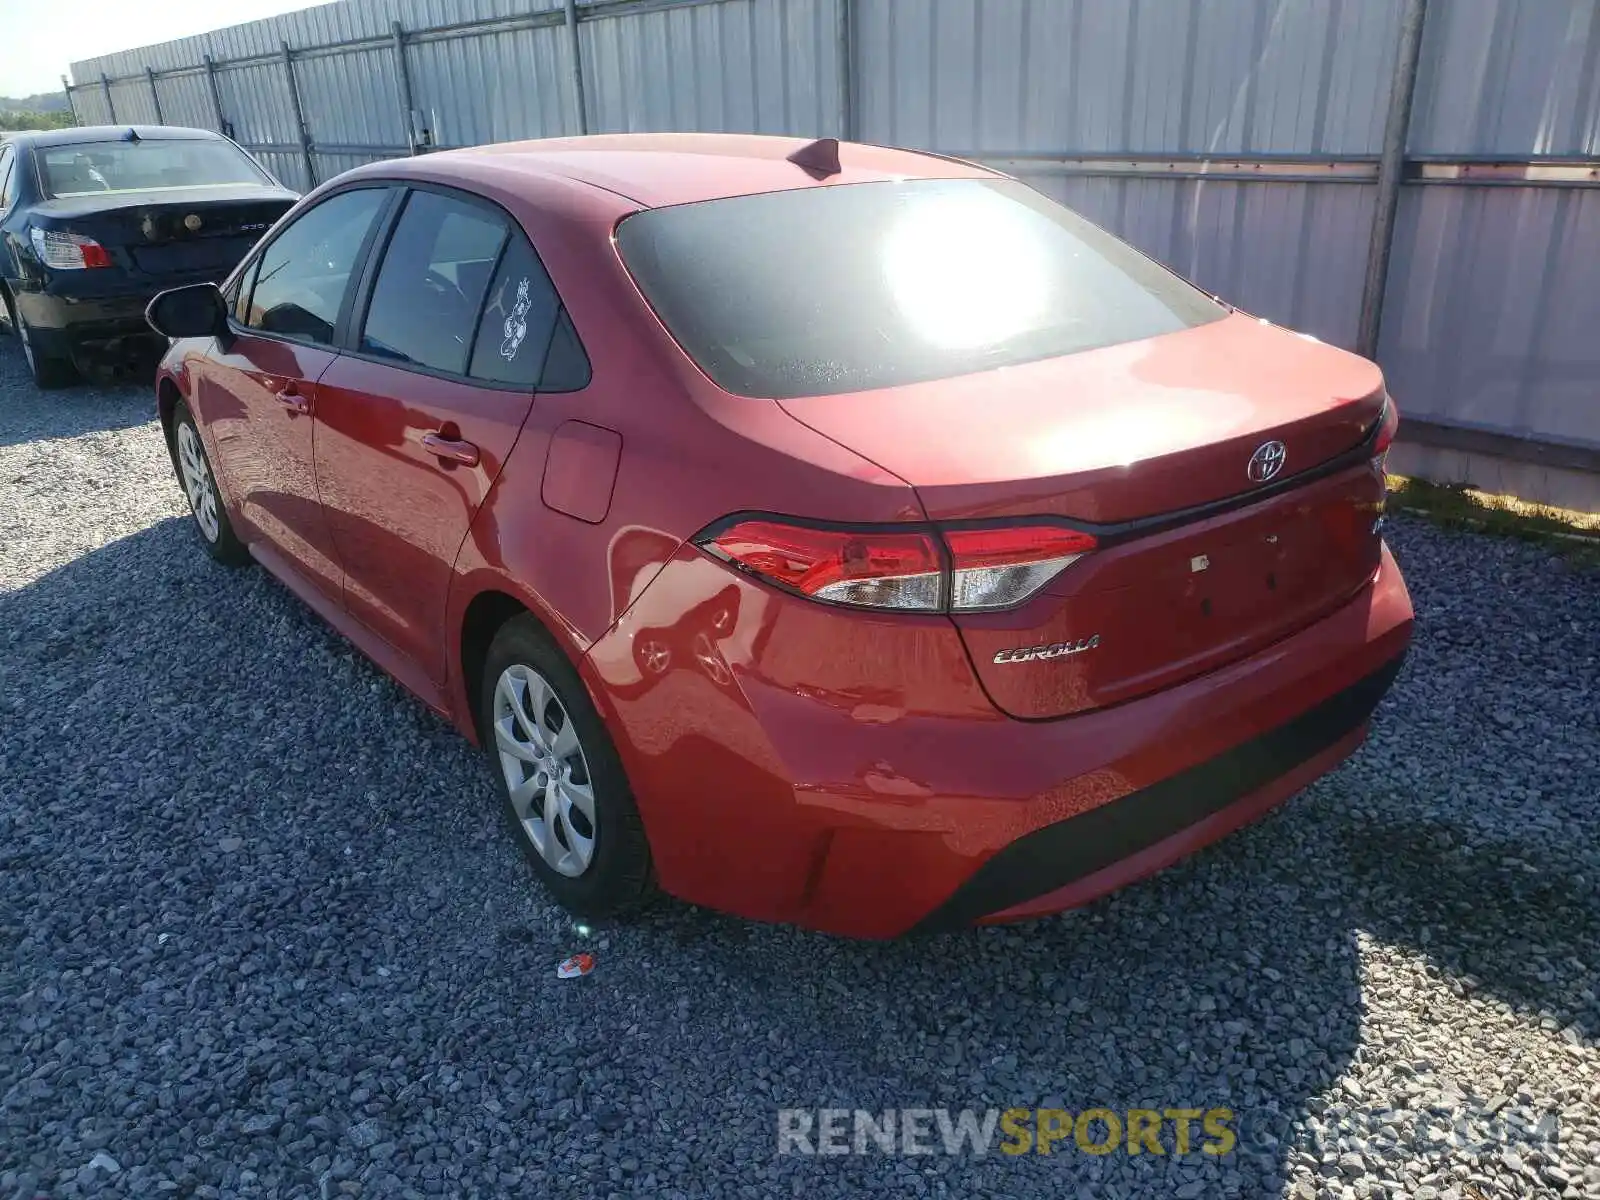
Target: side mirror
<point>194,311</point>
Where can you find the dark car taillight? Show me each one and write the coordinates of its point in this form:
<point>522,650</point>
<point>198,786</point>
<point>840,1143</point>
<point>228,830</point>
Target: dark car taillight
<point>911,568</point>
<point>68,251</point>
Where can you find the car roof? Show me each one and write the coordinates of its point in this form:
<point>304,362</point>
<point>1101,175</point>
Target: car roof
<point>654,170</point>
<point>116,133</point>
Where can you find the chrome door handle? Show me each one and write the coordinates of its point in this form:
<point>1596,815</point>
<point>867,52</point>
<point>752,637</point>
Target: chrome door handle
<point>450,449</point>
<point>289,396</point>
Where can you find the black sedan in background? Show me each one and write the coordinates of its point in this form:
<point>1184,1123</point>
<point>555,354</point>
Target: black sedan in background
<point>96,221</point>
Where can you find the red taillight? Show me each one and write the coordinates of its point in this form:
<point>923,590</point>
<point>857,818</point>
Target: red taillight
<point>1001,567</point>
<point>981,568</point>
<point>864,568</point>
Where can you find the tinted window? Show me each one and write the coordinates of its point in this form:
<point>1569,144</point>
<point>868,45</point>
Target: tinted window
<point>122,166</point>
<point>432,282</point>
<point>517,319</point>
<point>301,279</point>
<point>566,366</point>
<point>237,296</point>
<point>841,289</point>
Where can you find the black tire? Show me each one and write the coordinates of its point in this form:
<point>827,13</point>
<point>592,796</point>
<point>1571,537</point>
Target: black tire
<point>619,876</point>
<point>48,372</point>
<point>224,545</point>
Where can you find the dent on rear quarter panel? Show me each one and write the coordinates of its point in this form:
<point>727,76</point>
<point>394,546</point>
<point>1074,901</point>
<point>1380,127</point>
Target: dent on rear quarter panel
<point>795,708</point>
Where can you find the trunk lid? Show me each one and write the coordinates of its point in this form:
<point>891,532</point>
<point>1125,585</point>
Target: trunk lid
<point>172,233</point>
<point>1147,444</point>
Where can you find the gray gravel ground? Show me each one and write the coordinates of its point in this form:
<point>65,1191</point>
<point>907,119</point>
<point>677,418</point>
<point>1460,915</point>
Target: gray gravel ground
<point>262,933</point>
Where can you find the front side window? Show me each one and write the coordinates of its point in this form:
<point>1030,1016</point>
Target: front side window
<point>819,291</point>
<point>301,280</point>
<point>431,286</point>
<point>86,168</point>
<point>237,297</point>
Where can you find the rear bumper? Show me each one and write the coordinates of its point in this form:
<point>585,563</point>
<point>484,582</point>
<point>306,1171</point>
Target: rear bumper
<point>1074,861</point>
<point>65,326</point>
<point>858,815</point>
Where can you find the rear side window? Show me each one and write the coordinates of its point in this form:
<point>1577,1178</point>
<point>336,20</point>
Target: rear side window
<point>7,160</point>
<point>518,318</point>
<point>301,280</point>
<point>430,288</point>
<point>566,366</point>
<point>818,291</point>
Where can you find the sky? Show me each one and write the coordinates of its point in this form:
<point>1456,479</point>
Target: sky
<point>39,38</point>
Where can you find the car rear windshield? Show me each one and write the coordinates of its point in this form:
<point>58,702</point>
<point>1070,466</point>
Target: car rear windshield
<point>87,168</point>
<point>825,290</point>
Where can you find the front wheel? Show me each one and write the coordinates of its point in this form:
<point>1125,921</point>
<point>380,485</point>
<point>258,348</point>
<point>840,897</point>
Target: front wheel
<point>200,486</point>
<point>563,786</point>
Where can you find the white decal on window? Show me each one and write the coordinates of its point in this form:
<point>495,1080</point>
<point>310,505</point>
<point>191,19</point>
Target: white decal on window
<point>516,323</point>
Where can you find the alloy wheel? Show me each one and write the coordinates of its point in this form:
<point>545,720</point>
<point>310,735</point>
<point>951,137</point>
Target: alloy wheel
<point>197,482</point>
<point>547,774</point>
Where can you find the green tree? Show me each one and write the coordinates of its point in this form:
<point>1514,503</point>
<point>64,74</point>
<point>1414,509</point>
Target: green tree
<point>27,119</point>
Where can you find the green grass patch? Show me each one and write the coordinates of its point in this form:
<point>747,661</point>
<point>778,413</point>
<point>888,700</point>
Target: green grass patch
<point>1573,535</point>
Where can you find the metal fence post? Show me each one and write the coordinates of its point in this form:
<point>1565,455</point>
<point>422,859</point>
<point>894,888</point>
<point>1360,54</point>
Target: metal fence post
<point>1391,168</point>
<point>72,105</point>
<point>299,117</point>
<point>574,47</point>
<point>155,96</point>
<point>111,108</point>
<point>847,70</point>
<point>403,74</point>
<point>216,94</point>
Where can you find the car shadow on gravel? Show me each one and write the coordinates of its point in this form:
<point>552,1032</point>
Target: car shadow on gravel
<point>264,933</point>
<point>92,406</point>
<point>1497,917</point>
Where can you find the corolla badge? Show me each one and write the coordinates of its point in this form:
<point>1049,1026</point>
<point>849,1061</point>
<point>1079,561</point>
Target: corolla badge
<point>1266,462</point>
<point>1050,650</point>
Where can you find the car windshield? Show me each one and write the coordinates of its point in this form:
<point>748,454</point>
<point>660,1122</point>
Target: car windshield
<point>819,291</point>
<point>87,168</point>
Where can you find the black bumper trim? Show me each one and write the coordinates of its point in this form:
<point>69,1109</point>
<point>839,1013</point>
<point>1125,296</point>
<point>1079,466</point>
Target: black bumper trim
<point>1059,854</point>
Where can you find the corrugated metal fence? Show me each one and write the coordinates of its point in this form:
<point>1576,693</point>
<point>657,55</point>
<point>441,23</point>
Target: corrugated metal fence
<point>1241,141</point>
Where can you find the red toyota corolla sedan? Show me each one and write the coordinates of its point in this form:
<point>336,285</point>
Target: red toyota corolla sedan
<point>827,534</point>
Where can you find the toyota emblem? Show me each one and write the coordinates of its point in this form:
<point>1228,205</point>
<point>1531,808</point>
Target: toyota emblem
<point>192,222</point>
<point>1266,462</point>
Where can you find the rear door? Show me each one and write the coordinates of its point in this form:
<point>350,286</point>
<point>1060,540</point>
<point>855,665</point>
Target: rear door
<point>417,417</point>
<point>258,396</point>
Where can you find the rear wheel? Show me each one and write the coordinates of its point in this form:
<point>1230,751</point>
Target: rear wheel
<point>563,786</point>
<point>48,371</point>
<point>200,486</point>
